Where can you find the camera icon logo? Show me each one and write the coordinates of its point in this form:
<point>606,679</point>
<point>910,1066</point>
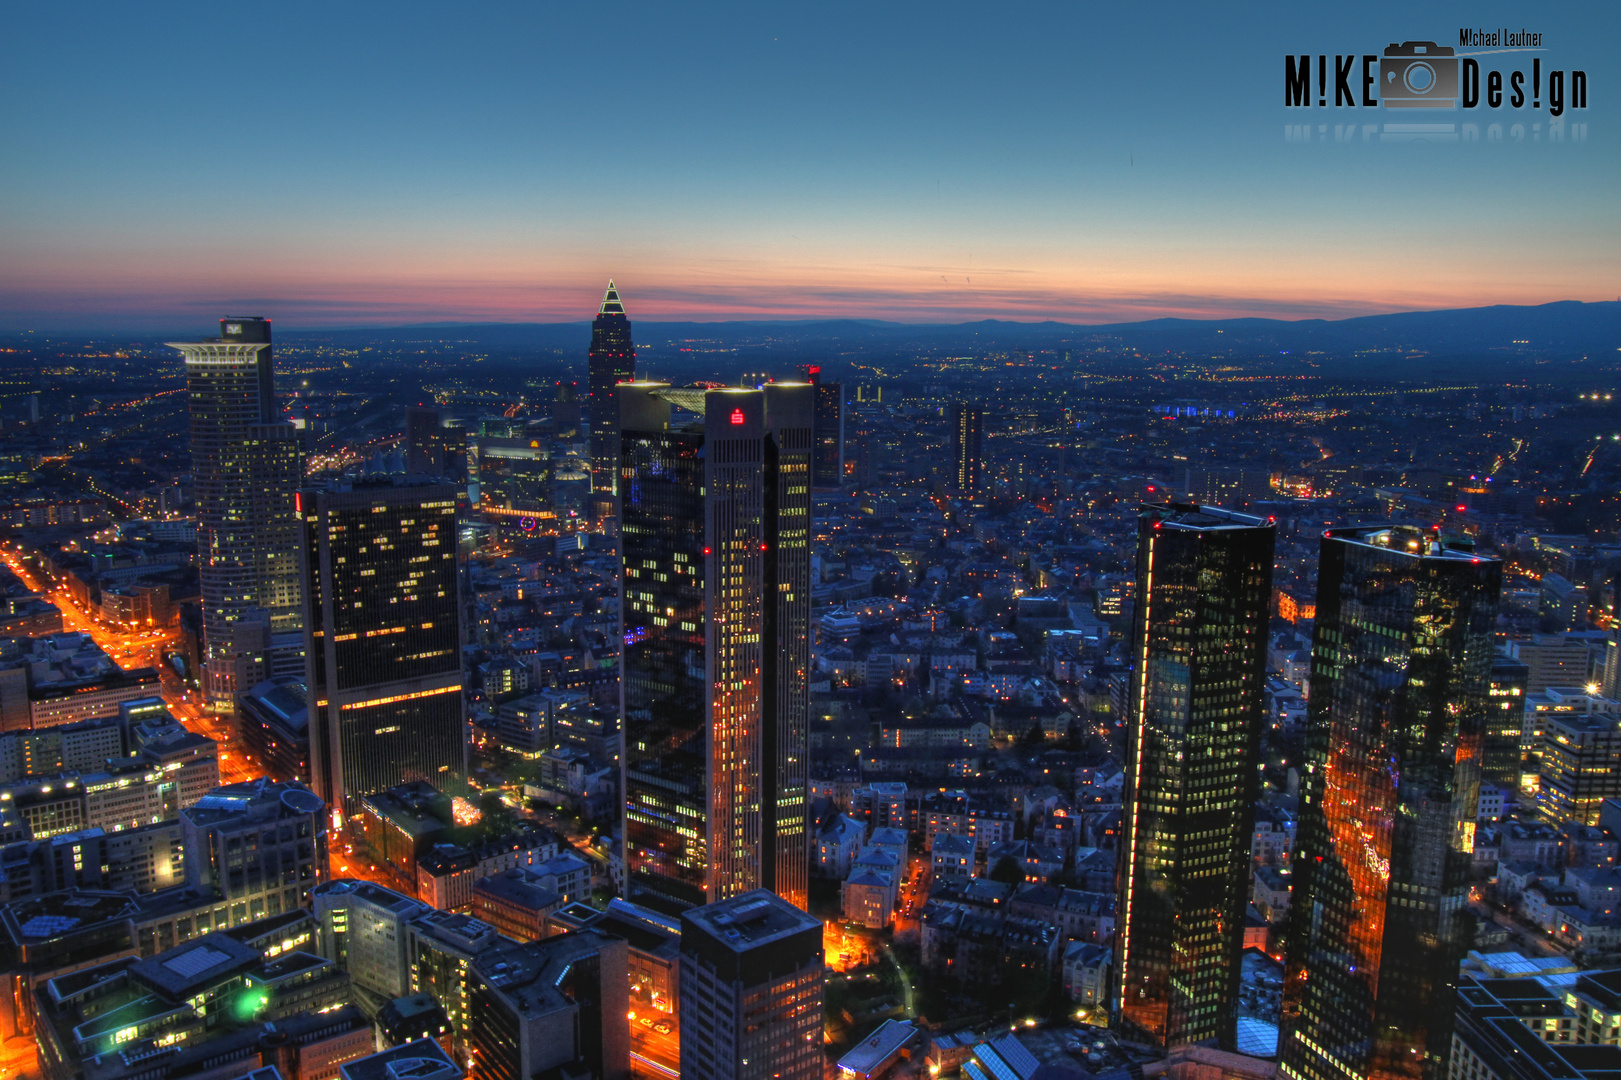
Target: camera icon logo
<point>1418,75</point>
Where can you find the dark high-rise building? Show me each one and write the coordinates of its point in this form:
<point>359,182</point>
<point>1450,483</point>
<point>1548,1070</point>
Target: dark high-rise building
<point>612,361</point>
<point>827,457</point>
<point>1194,721</point>
<point>752,976</point>
<point>384,637</point>
<point>967,448</point>
<point>554,1008</point>
<point>1503,757</point>
<point>424,444</point>
<point>566,411</point>
<point>714,518</point>
<point>246,465</point>
<point>1401,668</point>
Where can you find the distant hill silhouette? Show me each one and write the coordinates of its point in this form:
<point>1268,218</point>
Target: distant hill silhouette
<point>1564,328</point>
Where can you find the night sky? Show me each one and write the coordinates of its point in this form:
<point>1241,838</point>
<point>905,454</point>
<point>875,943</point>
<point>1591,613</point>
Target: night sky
<point>344,165</point>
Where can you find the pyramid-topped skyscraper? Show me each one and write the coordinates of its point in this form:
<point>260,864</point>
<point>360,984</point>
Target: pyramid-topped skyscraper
<point>612,360</point>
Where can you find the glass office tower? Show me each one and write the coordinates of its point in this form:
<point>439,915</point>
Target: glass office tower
<point>714,517</point>
<point>1503,759</point>
<point>383,637</point>
<point>612,360</point>
<point>827,459</point>
<point>246,465</point>
<point>1401,669</point>
<point>1204,587</point>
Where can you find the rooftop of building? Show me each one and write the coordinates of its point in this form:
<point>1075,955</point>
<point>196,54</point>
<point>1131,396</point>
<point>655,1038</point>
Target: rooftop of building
<point>1410,540</point>
<point>648,931</point>
<point>180,971</point>
<point>520,887</point>
<point>253,801</point>
<point>577,915</point>
<point>387,899</point>
<point>423,1059</point>
<point>460,931</point>
<point>529,975</point>
<point>1194,516</point>
<point>53,915</point>
<point>1603,987</point>
<point>750,920</point>
<point>418,809</point>
<point>876,1050</point>
<point>283,699</point>
<point>242,1044</point>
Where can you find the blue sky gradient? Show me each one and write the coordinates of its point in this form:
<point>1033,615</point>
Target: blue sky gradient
<point>383,164</point>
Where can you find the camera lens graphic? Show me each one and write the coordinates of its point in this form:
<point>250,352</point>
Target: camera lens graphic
<point>1419,77</point>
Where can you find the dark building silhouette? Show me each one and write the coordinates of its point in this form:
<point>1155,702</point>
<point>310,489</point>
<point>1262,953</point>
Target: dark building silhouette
<point>1401,670</point>
<point>714,518</point>
<point>424,442</point>
<point>246,465</point>
<point>551,1008</point>
<point>566,410</point>
<point>967,448</point>
<point>384,637</point>
<point>274,720</point>
<point>1194,721</point>
<point>827,457</point>
<point>752,977</point>
<point>612,360</point>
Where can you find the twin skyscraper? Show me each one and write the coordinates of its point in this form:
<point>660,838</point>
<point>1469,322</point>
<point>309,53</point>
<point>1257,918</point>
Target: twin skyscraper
<point>1401,662</point>
<point>710,489</point>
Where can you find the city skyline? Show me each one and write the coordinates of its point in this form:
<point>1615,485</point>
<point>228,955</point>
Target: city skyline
<point>1099,558</point>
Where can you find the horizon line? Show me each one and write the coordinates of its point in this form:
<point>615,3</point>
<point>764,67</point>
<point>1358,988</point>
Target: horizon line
<point>787,320</point>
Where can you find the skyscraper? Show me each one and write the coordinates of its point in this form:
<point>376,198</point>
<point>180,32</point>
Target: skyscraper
<point>1204,587</point>
<point>714,515</point>
<point>752,977</point>
<point>827,458</point>
<point>566,410</point>
<point>1502,757</point>
<point>384,637</point>
<point>612,360</point>
<point>967,448</point>
<point>1401,664</point>
<point>424,444</point>
<point>246,465</point>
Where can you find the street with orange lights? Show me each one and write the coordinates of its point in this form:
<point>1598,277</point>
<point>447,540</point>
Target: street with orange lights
<point>147,648</point>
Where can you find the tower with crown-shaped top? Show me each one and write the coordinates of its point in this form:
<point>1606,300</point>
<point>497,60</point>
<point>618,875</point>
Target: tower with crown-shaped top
<point>612,360</point>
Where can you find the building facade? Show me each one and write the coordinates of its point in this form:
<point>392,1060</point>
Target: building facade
<point>714,518</point>
<point>1194,721</point>
<point>612,360</point>
<point>246,467</point>
<point>1401,669</point>
<point>1504,754</point>
<point>424,442</point>
<point>827,459</point>
<point>967,448</point>
<point>383,634</point>
<point>751,991</point>
<point>260,846</point>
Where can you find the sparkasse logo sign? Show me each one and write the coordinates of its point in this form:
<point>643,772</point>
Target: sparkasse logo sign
<point>1425,75</point>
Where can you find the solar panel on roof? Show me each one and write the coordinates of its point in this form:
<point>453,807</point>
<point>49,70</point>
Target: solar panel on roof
<point>48,925</point>
<point>188,965</point>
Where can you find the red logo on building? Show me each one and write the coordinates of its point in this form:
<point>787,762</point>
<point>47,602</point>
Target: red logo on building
<point>737,416</point>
